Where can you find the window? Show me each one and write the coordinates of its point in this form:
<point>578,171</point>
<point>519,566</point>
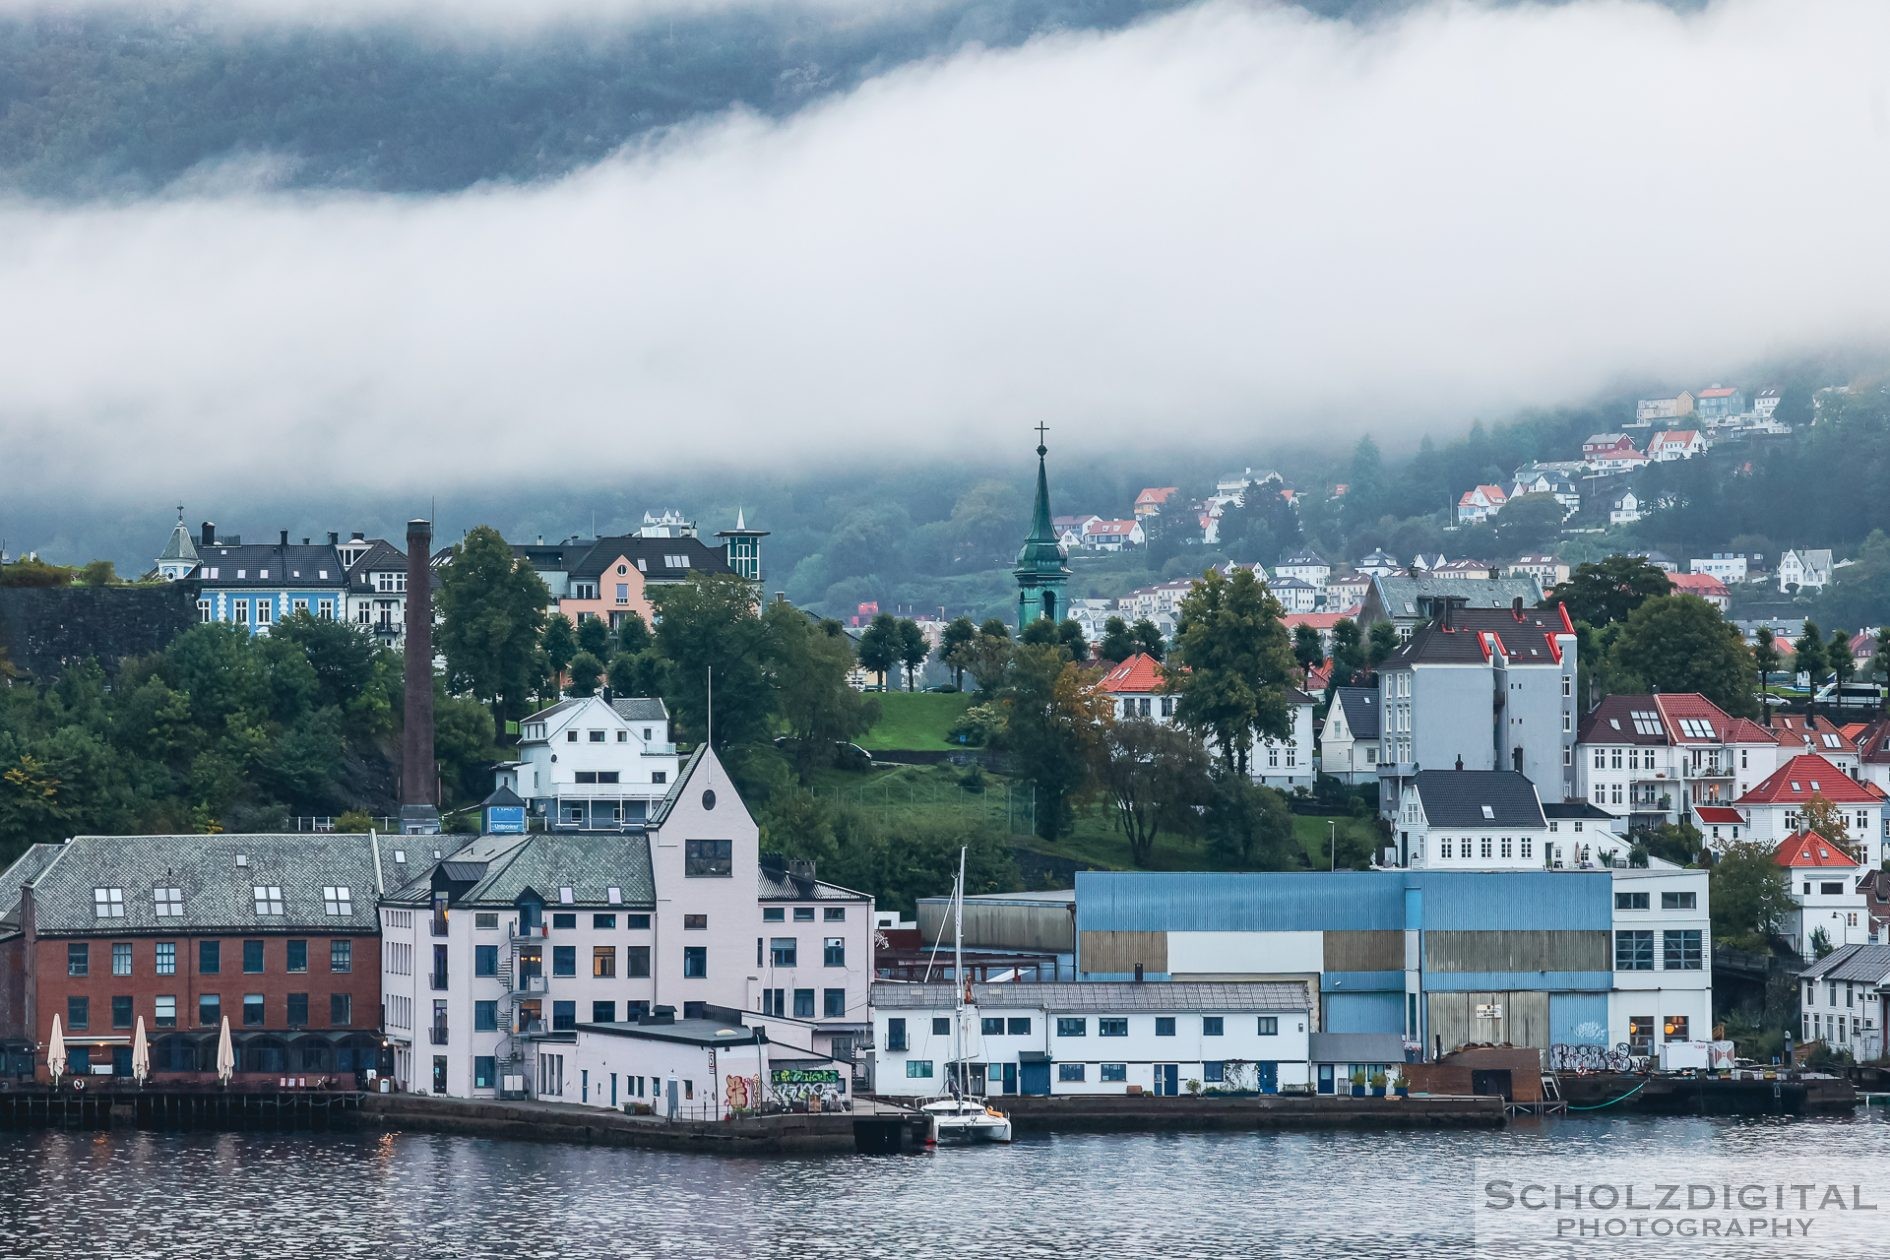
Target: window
<point>78,1012</point>
<point>1070,1071</point>
<point>1633,901</point>
<point>834,914</point>
<point>564,960</point>
<point>485,1016</point>
<point>604,922</point>
<point>1017,1026</point>
<point>603,1012</point>
<point>252,958</point>
<point>1068,1026</point>
<point>597,737</point>
<point>563,1016</point>
<point>833,1003</point>
<point>1528,846</point>
<point>782,951</point>
<point>1484,846</point>
<point>603,962</point>
<point>78,960</point>
<point>1211,1025</point>
<point>1633,951</point>
<point>108,903</point>
<point>1677,900</point>
<point>695,962</point>
<point>1507,849</point>
<point>919,1069</point>
<point>941,1026</point>
<point>1268,1026</point>
<point>166,958</point>
<point>1443,848</point>
<point>563,922</point>
<point>1675,1029</point>
<point>773,914</point>
<point>570,737</point>
<point>895,1033</point>
<point>695,922</point>
<point>1213,1073</point>
<point>1681,951</point>
<point>1164,1025</point>
<point>254,1015</point>
<point>298,1010</point>
<point>298,956</point>
<point>341,956</point>
<point>121,958</point>
<point>166,1010</point>
<point>991,1025</point>
<point>168,902</point>
<point>803,1004</point>
<point>268,899</point>
<point>636,960</point>
<point>1113,1072</point>
<point>708,858</point>
<point>833,952</point>
<point>485,1069</point>
<point>209,1009</point>
<point>121,1010</point>
<point>338,901</point>
<point>1107,1027</point>
<point>1831,889</point>
<point>637,922</point>
<point>340,1009</point>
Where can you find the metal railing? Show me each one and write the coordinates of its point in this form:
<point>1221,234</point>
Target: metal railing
<point>437,981</point>
<point>436,1035</point>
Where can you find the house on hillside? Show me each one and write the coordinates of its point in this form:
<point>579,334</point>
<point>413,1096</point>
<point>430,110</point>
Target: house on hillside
<point>1764,403</point>
<point>1480,504</point>
<point>1135,688</point>
<point>1464,570</point>
<point>1556,479</point>
<point>1347,593</point>
<point>1804,570</point>
<point>1545,569</point>
<point>1070,530</point>
<point>1378,563</point>
<point>1307,566</point>
<point>1625,508</point>
<point>1703,585</point>
<point>1824,881</point>
<point>1153,500</point>
<point>1721,402</point>
<point>1348,746</point>
<point>1408,602</point>
<point>1675,444</point>
<point>1295,596</point>
<point>1729,567</point>
<point>1648,410</point>
<point>592,763</point>
<point>1102,535</point>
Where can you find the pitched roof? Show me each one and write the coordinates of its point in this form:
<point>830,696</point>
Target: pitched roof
<point>1155,494</point>
<point>1401,596</point>
<point>1718,815</point>
<point>1811,731</point>
<point>179,546</point>
<point>1718,391</point>
<point>1868,963</point>
<point>1873,743</point>
<point>1360,706</point>
<point>1100,526</point>
<point>1478,798</point>
<point>1805,849</point>
<point>589,863</point>
<point>1805,776</point>
<point>217,877</point>
<point>641,708</point>
<point>1106,997</point>
<point>1140,673</point>
<point>1682,717</point>
<point>1701,584</point>
<point>1355,1047</point>
<point>380,556</point>
<point>1477,634</point>
<point>652,557</point>
<point>270,565</point>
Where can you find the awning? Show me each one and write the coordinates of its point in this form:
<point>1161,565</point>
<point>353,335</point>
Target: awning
<point>123,1039</point>
<point>1032,1056</point>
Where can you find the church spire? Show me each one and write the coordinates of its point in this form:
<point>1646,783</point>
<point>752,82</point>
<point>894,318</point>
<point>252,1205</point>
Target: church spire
<point>1041,570</point>
<point>1041,528</point>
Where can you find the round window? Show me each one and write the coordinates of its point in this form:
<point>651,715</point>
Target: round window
<point>621,570</point>
<point>708,798</point>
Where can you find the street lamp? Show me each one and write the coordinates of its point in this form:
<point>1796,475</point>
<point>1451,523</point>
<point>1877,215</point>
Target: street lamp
<point>1332,828</point>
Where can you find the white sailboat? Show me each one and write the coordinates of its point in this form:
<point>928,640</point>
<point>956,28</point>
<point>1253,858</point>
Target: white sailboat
<point>961,1116</point>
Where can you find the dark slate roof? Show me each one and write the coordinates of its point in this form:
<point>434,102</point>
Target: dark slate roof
<point>1458,798</point>
<point>1869,964</point>
<point>1106,997</point>
<point>589,863</point>
<point>1584,810</point>
<point>786,886</point>
<point>378,558</point>
<point>1401,594</point>
<point>653,555</point>
<point>179,546</point>
<point>641,709</point>
<point>569,702</point>
<point>1360,706</point>
<point>1326,1047</point>
<point>297,564</point>
<point>25,868</point>
<point>217,892</point>
<point>695,1032</point>
<point>503,795</point>
<point>1525,638</point>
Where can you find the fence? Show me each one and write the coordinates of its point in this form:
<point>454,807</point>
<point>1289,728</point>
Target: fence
<point>325,823</point>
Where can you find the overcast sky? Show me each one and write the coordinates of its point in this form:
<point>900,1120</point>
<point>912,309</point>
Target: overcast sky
<point>1229,225</point>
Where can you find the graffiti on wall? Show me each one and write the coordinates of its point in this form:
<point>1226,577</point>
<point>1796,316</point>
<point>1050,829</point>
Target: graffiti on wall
<point>741,1092</point>
<point>795,1085</point>
<point>1568,1058</point>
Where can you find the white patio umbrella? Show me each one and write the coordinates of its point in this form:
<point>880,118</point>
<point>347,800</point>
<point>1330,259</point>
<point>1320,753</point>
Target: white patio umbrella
<point>226,1054</point>
<point>140,1053</point>
<point>56,1053</point>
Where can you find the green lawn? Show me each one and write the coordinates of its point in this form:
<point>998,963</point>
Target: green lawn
<point>915,721</point>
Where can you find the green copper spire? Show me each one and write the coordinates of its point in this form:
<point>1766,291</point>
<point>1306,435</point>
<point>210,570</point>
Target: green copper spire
<point>1041,562</point>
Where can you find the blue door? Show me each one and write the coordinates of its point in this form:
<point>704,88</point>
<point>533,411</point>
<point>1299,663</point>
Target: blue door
<point>1269,1077</point>
<point>1325,1078</point>
<point>1167,1079</point>
<point>1032,1079</point>
<point>584,1085</point>
<point>1009,1078</point>
<point>613,1089</point>
<point>121,1060</point>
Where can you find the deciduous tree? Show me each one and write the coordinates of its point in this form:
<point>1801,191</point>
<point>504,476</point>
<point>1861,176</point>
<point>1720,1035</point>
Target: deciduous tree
<point>1156,777</point>
<point>1231,665</point>
<point>1681,643</point>
<point>492,612</point>
<point>1608,591</point>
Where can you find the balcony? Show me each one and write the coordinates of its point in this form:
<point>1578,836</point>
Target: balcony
<point>437,981</point>
<point>437,925</point>
<point>529,982</point>
<point>436,1035</point>
<point>537,932</point>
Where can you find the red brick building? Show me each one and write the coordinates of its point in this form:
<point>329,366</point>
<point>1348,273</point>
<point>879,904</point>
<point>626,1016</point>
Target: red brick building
<point>278,934</point>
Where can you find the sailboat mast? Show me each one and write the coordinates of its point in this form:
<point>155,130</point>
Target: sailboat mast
<point>958,973</point>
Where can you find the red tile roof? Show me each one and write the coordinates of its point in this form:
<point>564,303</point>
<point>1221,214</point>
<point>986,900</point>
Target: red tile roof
<point>1720,815</point>
<point>1809,849</point>
<point>1813,731</point>
<point>1808,775</point>
<point>1139,674</point>
<point>1318,621</point>
<point>1701,584</point>
<point>1155,494</point>
<point>1717,392</point>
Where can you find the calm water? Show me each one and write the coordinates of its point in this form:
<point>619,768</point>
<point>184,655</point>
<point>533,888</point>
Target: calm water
<point>413,1195</point>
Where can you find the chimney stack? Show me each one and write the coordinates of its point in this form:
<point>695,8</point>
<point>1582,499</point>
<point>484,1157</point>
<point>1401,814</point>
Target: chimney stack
<point>209,533</point>
<point>419,782</point>
<point>334,537</point>
<point>285,538</point>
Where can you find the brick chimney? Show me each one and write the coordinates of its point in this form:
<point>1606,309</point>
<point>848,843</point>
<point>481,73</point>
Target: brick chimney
<point>419,782</point>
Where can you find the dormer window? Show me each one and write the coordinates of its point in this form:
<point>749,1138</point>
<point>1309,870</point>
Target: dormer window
<point>108,903</point>
<point>168,903</point>
<point>268,899</point>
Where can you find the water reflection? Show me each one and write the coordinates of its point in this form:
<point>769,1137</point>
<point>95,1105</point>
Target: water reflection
<point>1157,1195</point>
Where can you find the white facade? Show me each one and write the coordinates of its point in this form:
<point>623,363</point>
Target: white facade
<point>1829,901</point>
<point>584,763</point>
<point>691,1070</point>
<point>1663,977</point>
<point>1345,754</point>
<point>816,959</point>
<point>1727,567</point>
<point>1057,1040</point>
<point>1134,688</point>
<point>1808,570</point>
<point>1843,1001</point>
<point>1295,596</point>
<point>1625,510</point>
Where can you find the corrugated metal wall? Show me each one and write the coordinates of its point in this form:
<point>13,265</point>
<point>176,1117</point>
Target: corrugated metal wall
<point>1365,951</point>
<point>1362,1012</point>
<point>1305,901</point>
<point>1525,1022</point>
<point>1516,951</point>
<point>1516,901</point>
<point>1021,925</point>
<point>1117,953</point>
<point>1578,1019</point>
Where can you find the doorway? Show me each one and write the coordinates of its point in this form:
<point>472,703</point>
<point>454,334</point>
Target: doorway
<point>1325,1078</point>
<point>1167,1080</point>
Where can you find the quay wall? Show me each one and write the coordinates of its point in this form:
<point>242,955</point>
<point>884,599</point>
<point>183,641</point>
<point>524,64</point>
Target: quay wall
<point>1131,1113</point>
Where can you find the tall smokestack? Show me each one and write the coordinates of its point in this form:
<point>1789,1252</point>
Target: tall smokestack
<point>419,784</point>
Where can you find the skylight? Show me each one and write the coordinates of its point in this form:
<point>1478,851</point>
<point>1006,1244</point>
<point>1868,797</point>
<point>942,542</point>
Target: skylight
<point>1646,722</point>
<point>1696,728</point>
<point>1489,813</point>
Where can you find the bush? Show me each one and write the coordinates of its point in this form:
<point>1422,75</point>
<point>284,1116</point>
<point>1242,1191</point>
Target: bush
<point>972,780</point>
<point>355,822</point>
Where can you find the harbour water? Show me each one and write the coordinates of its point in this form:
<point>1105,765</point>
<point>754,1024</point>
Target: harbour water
<point>399,1196</point>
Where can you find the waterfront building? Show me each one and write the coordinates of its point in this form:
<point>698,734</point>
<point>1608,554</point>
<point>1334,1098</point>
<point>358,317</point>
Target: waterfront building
<point>1061,1039</point>
<point>1831,908</point>
<point>1845,1002</point>
<point>590,763</point>
<point>496,952</point>
<point>1043,569</point>
<point>1480,688</point>
<point>1136,690</point>
<point>1440,958</point>
<point>1338,1057</point>
<point>703,1068</point>
<point>276,933</point>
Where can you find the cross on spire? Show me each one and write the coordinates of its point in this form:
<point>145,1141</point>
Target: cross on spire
<point>1042,429</point>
